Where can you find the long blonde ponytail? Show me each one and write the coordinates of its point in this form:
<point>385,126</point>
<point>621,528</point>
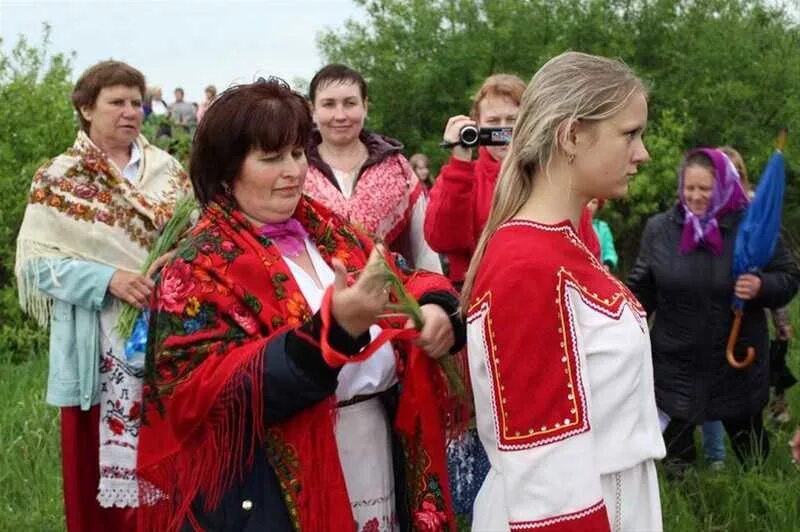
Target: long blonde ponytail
<point>570,86</point>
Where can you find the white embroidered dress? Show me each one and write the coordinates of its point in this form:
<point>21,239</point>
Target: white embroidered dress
<point>561,370</point>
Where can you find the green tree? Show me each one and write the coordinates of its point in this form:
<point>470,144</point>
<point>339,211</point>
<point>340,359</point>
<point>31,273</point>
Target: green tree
<point>36,123</point>
<point>720,72</point>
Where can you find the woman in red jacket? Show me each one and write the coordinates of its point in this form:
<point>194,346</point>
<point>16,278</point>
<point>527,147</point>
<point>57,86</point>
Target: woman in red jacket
<point>461,198</point>
<point>462,195</point>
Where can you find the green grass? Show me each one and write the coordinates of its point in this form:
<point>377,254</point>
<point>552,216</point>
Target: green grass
<point>765,498</point>
<point>30,452</point>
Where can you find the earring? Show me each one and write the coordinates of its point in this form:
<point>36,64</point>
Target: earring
<point>571,158</point>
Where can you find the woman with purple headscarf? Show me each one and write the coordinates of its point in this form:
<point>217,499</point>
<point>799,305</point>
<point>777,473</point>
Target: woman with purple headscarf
<point>683,274</point>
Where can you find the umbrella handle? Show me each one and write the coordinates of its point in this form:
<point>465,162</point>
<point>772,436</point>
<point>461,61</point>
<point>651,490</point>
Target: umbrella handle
<point>780,144</point>
<point>751,352</point>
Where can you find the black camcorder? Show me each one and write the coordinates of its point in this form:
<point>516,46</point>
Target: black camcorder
<point>471,136</point>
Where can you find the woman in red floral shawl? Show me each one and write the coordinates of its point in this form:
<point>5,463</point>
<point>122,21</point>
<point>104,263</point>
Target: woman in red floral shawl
<point>272,397</point>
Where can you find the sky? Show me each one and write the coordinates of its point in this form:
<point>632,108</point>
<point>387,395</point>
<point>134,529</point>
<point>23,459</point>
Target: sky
<point>177,43</point>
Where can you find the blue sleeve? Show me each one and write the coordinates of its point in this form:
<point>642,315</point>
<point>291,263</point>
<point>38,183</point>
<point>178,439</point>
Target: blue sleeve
<point>77,282</point>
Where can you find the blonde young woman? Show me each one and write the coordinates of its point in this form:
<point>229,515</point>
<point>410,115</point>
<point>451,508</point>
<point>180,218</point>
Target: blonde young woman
<point>559,349</point>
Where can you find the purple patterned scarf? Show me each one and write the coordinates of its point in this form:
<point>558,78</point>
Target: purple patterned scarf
<point>727,196</point>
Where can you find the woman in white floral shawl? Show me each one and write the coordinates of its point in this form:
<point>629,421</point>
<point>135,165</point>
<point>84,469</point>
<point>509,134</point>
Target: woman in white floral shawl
<point>92,215</point>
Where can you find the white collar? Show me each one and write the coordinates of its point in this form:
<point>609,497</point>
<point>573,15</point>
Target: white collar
<point>131,169</point>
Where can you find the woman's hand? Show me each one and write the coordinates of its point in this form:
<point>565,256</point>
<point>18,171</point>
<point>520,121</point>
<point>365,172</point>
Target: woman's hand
<point>451,134</point>
<point>159,263</point>
<point>132,288</point>
<point>436,336</point>
<point>747,286</point>
<point>357,307</point>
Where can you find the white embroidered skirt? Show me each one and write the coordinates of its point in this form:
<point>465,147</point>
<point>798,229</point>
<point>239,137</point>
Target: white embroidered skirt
<point>365,451</point>
<point>631,497</point>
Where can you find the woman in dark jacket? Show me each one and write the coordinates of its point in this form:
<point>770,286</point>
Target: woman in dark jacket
<point>683,274</point>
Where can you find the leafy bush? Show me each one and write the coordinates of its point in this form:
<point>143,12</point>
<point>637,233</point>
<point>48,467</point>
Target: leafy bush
<point>178,143</point>
<point>36,123</point>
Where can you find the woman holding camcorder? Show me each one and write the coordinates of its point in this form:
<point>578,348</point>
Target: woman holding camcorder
<point>457,211</point>
<point>462,195</point>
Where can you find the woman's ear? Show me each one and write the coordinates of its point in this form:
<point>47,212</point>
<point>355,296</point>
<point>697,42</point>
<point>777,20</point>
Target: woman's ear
<point>87,112</point>
<point>568,137</point>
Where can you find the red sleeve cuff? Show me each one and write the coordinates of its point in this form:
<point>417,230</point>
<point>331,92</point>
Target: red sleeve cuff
<point>335,358</point>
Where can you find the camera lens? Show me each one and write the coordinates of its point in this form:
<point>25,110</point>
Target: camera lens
<point>468,136</point>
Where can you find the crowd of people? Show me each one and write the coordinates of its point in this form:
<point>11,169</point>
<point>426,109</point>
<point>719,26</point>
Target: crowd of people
<point>310,367</point>
<point>180,112</point>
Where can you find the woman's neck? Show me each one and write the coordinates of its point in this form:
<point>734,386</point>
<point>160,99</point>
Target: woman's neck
<point>553,201</point>
<point>344,157</point>
<point>119,155</point>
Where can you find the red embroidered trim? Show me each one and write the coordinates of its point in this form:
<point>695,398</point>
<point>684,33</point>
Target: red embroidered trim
<point>591,519</point>
<point>520,424</point>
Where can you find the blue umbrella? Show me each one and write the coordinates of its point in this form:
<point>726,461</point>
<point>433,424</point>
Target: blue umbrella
<point>757,238</point>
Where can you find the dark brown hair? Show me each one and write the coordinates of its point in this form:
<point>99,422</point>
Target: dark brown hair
<point>265,115</point>
<point>96,78</point>
<point>336,73</point>
<point>699,159</point>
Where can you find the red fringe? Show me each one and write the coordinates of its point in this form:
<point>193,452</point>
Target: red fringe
<point>209,460</point>
<point>458,410</point>
<point>420,424</point>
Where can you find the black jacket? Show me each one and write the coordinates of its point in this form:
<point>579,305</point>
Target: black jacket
<point>691,298</point>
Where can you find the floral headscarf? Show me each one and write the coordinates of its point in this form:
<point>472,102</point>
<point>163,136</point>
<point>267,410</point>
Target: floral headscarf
<point>727,196</point>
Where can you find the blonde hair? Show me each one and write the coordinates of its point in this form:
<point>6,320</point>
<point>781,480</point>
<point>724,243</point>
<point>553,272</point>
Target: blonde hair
<point>502,85</point>
<point>738,163</point>
<point>417,158</point>
<point>569,87</point>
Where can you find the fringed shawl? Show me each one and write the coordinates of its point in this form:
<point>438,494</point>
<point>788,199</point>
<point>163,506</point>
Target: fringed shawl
<point>80,206</point>
<point>228,293</point>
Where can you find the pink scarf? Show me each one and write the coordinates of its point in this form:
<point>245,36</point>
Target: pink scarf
<point>289,236</point>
